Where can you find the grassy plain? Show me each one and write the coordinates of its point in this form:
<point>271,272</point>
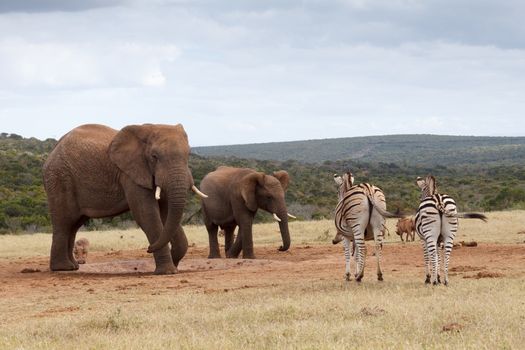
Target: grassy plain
<point>298,302</point>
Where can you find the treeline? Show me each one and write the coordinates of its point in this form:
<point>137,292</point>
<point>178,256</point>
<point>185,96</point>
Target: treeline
<point>311,195</point>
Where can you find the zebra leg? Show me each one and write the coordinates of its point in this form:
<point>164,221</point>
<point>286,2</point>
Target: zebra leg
<point>378,224</point>
<point>360,258</point>
<point>450,227</point>
<point>433,256</point>
<point>348,252</point>
<point>427,262</point>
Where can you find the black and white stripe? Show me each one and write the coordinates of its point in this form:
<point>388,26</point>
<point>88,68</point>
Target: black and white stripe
<point>359,216</point>
<point>437,222</point>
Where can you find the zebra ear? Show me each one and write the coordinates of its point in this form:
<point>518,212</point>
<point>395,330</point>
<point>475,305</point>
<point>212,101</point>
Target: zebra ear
<point>338,180</point>
<point>420,182</point>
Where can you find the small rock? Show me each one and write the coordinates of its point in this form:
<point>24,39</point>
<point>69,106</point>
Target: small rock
<point>30,270</point>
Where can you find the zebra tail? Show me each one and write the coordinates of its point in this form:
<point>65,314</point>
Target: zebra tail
<point>386,213</point>
<point>472,216</point>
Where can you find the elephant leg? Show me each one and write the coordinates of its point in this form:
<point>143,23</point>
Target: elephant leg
<point>228,237</point>
<point>247,241</point>
<point>235,248</point>
<point>214,241</point>
<point>147,214</point>
<point>63,241</point>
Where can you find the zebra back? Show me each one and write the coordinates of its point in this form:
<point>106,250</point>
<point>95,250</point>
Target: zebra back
<point>352,204</point>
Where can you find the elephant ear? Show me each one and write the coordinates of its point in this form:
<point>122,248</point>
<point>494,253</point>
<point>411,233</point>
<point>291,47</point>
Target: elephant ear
<point>248,185</point>
<point>283,178</point>
<point>127,151</point>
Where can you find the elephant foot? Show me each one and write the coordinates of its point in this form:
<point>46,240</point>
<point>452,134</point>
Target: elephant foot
<point>165,270</point>
<point>248,256</point>
<point>214,256</point>
<point>66,265</point>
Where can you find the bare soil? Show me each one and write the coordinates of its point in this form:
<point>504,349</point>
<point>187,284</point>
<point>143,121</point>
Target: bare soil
<point>131,271</point>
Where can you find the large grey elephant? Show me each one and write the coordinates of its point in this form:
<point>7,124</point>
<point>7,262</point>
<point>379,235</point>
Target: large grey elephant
<point>95,171</point>
<point>235,195</point>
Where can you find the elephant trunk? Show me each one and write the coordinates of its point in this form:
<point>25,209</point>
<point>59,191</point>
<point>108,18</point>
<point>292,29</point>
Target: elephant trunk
<point>283,227</point>
<point>176,191</point>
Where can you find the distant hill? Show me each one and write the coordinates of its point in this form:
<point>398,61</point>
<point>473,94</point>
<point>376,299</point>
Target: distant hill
<point>422,150</point>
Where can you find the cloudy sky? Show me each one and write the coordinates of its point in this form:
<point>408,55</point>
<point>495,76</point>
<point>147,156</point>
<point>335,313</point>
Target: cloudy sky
<point>240,71</point>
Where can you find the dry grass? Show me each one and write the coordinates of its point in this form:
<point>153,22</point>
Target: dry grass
<point>502,227</point>
<point>402,315</point>
<point>325,314</point>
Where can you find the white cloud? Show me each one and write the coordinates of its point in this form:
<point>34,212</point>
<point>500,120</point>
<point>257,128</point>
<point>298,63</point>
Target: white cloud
<point>31,64</point>
<point>276,70</point>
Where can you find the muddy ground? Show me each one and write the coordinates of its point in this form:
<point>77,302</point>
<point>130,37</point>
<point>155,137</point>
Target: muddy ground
<point>132,270</point>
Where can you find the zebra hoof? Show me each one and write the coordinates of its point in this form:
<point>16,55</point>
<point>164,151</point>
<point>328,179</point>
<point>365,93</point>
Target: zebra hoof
<point>435,283</point>
<point>380,277</point>
<point>358,278</point>
<point>427,280</point>
<point>439,279</point>
<point>347,277</point>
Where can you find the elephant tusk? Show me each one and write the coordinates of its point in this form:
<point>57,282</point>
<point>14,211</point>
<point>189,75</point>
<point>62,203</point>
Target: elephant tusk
<point>197,191</point>
<point>157,193</point>
<point>292,216</point>
<point>276,217</point>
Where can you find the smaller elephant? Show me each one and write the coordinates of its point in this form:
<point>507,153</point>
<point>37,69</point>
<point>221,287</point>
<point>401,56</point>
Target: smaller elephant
<point>235,195</point>
<point>80,250</point>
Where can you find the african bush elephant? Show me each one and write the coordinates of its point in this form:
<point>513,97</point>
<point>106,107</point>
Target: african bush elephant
<point>235,195</point>
<point>95,171</point>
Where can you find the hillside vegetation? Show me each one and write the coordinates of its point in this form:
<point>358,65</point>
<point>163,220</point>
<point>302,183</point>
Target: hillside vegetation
<point>421,150</point>
<point>479,184</point>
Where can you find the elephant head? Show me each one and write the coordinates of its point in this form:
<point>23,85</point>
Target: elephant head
<point>267,192</point>
<point>156,157</point>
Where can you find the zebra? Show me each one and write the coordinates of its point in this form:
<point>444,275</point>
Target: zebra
<point>359,216</point>
<point>437,222</point>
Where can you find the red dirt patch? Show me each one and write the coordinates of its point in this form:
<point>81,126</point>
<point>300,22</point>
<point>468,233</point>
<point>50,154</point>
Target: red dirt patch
<point>131,271</point>
<point>485,274</point>
<point>466,268</point>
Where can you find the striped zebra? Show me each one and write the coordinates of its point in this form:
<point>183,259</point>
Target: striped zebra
<point>359,216</point>
<point>436,223</point>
